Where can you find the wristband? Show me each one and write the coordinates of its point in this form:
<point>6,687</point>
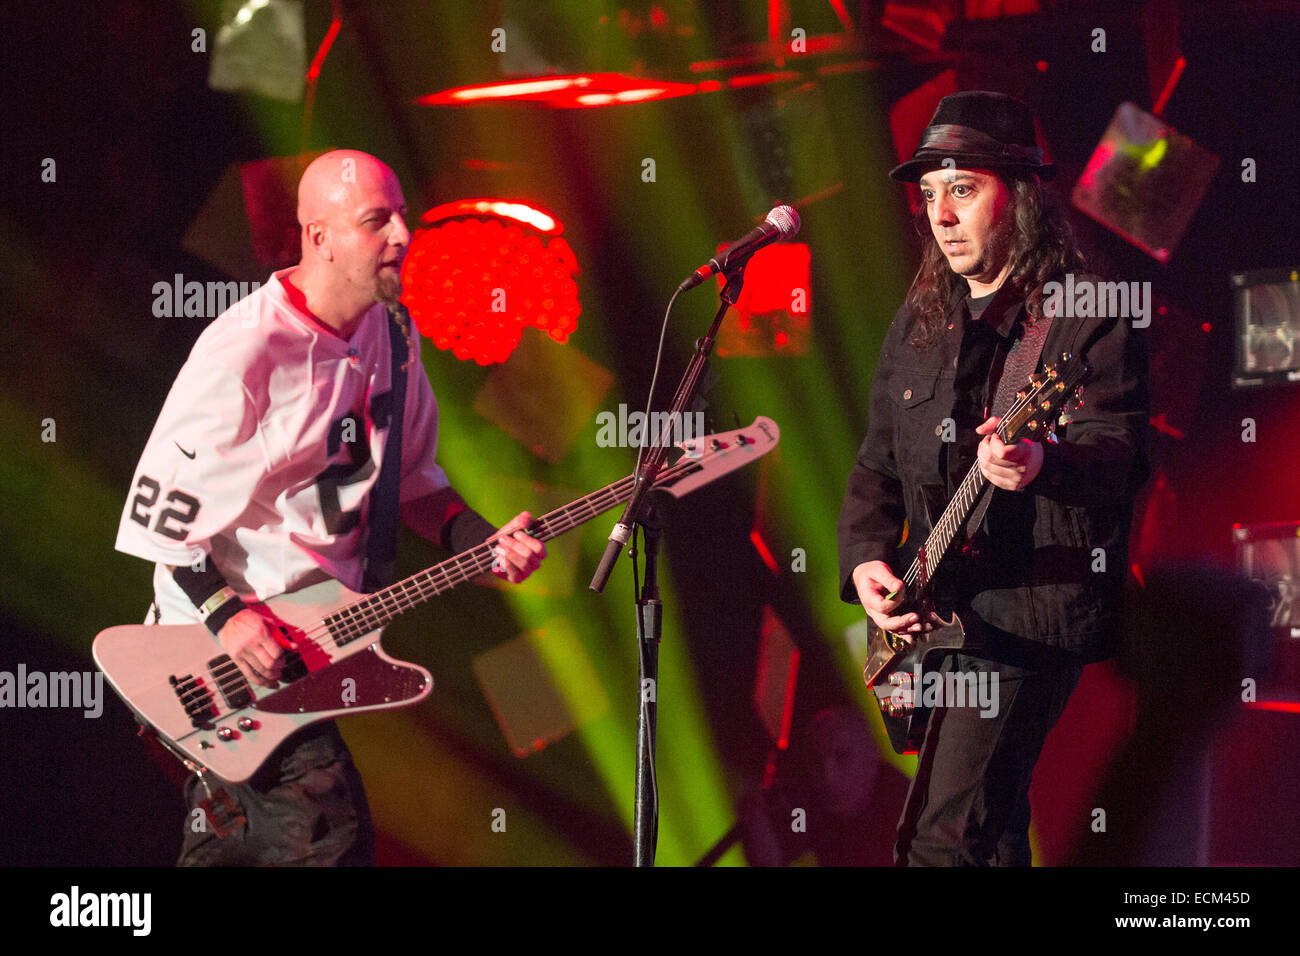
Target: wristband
<point>466,529</point>
<point>223,612</point>
<point>217,602</point>
<point>214,602</point>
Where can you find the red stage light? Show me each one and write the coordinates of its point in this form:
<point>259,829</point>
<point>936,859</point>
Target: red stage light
<point>776,678</point>
<point>566,92</point>
<point>501,208</point>
<point>475,278</point>
<point>764,552</point>
<point>762,79</point>
<point>773,314</point>
<point>585,91</point>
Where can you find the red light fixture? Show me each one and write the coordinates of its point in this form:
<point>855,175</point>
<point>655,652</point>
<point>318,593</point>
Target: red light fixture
<point>773,315</point>
<point>588,90</point>
<point>521,213</point>
<point>576,91</point>
<point>480,271</point>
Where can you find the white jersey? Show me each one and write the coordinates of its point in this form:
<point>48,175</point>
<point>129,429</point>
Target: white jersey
<point>266,450</point>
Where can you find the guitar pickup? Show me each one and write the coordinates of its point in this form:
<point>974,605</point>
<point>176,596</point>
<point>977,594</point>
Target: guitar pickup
<point>234,688</point>
<point>196,699</point>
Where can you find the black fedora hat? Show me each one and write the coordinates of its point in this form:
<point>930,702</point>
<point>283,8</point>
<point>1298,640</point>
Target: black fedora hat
<point>977,129</point>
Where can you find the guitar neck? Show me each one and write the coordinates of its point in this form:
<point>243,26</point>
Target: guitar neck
<point>374,611</point>
<point>1034,414</point>
<point>921,571</point>
<point>946,529</point>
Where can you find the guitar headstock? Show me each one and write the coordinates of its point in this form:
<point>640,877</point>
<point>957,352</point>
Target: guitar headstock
<point>1049,397</point>
<point>715,455</point>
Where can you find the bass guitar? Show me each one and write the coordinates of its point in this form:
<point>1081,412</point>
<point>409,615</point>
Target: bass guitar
<point>180,682</point>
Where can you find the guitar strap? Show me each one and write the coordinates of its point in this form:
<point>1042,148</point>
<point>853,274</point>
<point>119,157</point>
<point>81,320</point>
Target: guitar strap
<point>1022,361</point>
<point>381,542</point>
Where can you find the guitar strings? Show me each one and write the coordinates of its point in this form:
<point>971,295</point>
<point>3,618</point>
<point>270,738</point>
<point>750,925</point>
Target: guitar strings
<point>373,611</point>
<point>971,487</point>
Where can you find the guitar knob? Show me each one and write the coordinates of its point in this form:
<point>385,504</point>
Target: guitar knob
<point>225,733</point>
<point>246,723</point>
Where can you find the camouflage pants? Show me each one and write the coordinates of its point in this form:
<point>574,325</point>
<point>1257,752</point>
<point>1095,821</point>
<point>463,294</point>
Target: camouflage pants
<point>305,807</point>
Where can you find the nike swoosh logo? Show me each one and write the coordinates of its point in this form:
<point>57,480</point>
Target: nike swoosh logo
<point>187,454</point>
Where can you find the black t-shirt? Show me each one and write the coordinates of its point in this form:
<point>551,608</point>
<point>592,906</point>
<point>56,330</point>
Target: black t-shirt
<point>978,303</point>
<point>979,347</point>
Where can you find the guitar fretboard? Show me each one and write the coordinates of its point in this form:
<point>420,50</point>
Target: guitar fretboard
<point>374,611</point>
<point>949,524</point>
<point>968,494</point>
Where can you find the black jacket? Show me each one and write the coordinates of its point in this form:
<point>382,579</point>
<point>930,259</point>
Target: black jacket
<point>1035,574</point>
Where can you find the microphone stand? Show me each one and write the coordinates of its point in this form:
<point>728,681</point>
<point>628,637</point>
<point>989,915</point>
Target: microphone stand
<point>649,610</point>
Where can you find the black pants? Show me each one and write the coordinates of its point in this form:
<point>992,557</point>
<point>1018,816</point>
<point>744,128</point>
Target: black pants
<point>304,807</point>
<point>969,802</point>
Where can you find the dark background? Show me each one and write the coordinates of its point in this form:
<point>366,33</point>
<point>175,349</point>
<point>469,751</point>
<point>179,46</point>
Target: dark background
<point>115,94</point>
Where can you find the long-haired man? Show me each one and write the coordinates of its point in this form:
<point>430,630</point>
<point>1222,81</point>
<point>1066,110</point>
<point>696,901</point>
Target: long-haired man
<point>1038,582</point>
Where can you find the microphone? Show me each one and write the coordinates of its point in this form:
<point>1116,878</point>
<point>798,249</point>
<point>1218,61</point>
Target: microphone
<point>781,223</point>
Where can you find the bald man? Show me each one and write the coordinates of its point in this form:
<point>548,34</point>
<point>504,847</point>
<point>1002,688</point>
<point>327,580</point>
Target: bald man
<point>256,481</point>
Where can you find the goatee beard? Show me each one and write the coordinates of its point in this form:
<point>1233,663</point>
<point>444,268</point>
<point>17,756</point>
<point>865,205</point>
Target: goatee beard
<point>388,289</point>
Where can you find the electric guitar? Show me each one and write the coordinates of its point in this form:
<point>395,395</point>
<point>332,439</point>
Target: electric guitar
<point>892,662</point>
<point>180,682</point>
